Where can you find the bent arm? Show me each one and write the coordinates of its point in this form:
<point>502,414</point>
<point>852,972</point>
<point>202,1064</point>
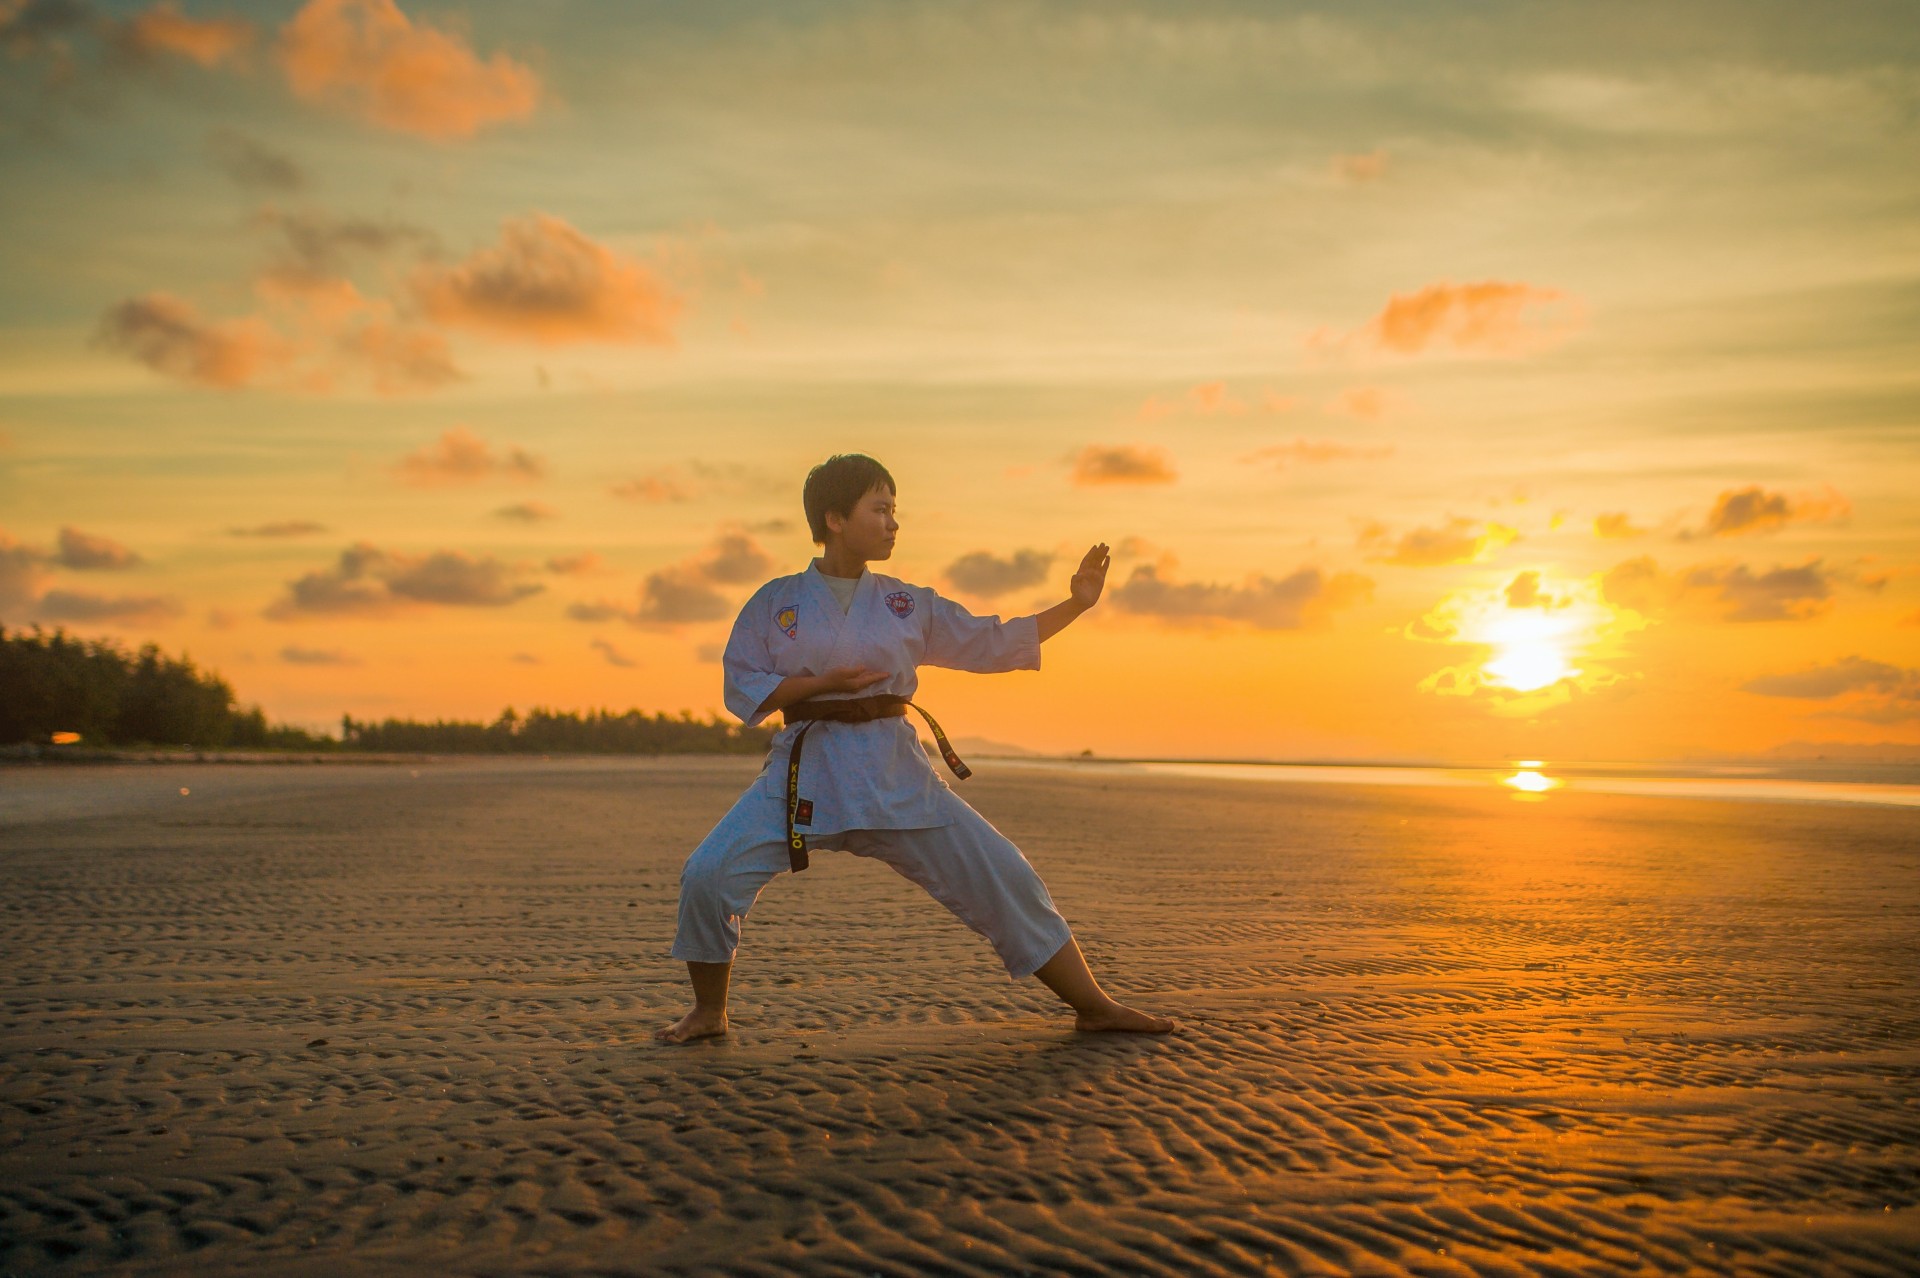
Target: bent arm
<point>794,689</point>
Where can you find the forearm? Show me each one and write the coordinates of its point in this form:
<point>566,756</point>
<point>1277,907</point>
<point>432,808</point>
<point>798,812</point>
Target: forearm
<point>793,690</point>
<point>1059,617</point>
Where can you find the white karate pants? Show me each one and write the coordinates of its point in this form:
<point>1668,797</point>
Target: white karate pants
<point>967,866</point>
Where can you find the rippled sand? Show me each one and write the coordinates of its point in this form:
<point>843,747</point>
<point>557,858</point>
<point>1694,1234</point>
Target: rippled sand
<point>326,1020</point>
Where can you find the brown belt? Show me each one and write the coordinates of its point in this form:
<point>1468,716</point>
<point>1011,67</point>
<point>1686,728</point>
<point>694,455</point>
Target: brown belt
<point>844,710</point>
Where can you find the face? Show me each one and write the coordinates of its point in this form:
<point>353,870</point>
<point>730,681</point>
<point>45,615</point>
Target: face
<point>869,530</point>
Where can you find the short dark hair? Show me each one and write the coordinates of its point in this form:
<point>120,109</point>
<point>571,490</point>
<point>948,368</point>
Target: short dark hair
<point>837,484</point>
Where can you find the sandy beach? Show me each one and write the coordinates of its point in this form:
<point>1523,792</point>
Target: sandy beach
<point>397,1019</point>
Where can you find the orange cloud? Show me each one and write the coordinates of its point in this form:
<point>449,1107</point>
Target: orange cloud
<point>1740,511</point>
<point>657,488</point>
<point>685,592</point>
<point>461,457</point>
<point>311,334</point>
<point>87,552</point>
<point>280,528</point>
<point>1122,464</point>
<point>574,565</point>
<point>614,657</point>
<point>371,582</point>
<point>527,512</point>
<point>1524,592</point>
<point>75,605</point>
<point>546,282</point>
<point>1364,402</point>
<point>1315,452</point>
<point>987,575</point>
<point>1359,169</point>
<point>1205,400</point>
<point>1728,592</point>
<point>1458,541</point>
<point>1492,317</point>
<point>207,41</point>
<point>294,655</point>
<point>1615,526</point>
<point>370,59</point>
<point>1302,600</point>
<point>169,336</point>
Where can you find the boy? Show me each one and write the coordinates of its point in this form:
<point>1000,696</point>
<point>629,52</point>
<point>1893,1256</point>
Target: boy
<point>834,648</point>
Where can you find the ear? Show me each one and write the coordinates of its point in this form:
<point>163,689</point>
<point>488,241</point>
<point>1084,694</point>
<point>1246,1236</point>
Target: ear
<point>836,523</point>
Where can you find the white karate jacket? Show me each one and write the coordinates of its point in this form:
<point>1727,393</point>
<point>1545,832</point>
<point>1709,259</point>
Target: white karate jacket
<point>861,776</point>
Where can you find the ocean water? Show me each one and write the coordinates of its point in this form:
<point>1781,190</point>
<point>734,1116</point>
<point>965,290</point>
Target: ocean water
<point>1539,782</point>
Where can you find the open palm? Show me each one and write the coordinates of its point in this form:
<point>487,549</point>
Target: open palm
<point>1091,579</point>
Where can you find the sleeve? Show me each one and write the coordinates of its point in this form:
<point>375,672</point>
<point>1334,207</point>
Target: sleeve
<point>747,664</point>
<point>959,640</point>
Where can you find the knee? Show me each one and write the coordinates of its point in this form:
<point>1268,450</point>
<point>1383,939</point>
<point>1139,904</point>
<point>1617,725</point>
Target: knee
<point>704,877</point>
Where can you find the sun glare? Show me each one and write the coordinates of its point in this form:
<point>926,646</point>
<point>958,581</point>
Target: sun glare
<point>1529,651</point>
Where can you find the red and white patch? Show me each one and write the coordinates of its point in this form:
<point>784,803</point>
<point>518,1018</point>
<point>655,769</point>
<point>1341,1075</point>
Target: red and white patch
<point>900,603</point>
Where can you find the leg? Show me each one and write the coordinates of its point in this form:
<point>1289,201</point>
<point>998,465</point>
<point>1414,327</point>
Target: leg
<point>721,881</point>
<point>975,871</point>
<point>709,1014</point>
<point>1066,974</point>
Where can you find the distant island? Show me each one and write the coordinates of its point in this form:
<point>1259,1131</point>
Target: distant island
<point>64,695</point>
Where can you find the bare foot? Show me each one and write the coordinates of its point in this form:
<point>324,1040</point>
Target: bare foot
<point>699,1023</point>
<point>1118,1017</point>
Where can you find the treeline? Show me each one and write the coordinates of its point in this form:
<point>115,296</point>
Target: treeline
<point>56,689</point>
<point>53,686</point>
<point>550,732</point>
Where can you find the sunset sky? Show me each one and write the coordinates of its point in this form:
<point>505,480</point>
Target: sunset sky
<point>1453,382</point>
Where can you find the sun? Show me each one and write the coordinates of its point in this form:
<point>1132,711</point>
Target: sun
<point>1529,651</point>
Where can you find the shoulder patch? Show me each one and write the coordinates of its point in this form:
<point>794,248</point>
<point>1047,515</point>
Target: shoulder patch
<point>788,619</point>
<point>900,603</point>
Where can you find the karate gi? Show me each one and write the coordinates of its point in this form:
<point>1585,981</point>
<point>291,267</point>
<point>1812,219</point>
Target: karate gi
<point>870,788</point>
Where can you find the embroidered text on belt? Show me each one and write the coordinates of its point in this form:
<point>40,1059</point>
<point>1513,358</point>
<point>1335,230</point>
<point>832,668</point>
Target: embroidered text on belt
<point>846,710</point>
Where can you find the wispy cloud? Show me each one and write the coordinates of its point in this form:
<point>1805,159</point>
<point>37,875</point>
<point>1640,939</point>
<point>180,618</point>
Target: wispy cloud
<point>371,582</point>
<point>1313,452</point>
<point>987,575</point>
<point>294,655</point>
<point>686,593</point>
<point>280,528</point>
<point>461,457</point>
<point>1100,464</point>
<point>1304,599</point>
<point>88,552</point>
<point>1458,541</point>
<point>163,29</point>
<point>1615,526</point>
<point>1490,317</point>
<point>369,59</point>
<point>1729,592</point>
<point>527,512</point>
<point>76,605</point>
<point>613,655</point>
<point>1849,674</point>
<point>1360,168</point>
<point>1740,512</point>
<point>252,164</point>
<point>548,283</point>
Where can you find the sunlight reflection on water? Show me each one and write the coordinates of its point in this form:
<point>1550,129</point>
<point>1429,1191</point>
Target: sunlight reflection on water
<point>1524,781</point>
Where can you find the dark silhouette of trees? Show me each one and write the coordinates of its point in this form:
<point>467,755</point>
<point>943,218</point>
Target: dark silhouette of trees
<point>54,683</point>
<point>554,732</point>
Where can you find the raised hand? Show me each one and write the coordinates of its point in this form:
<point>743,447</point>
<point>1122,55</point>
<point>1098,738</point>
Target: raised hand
<point>1092,577</point>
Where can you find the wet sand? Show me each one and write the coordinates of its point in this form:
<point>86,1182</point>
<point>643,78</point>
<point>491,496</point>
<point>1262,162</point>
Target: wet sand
<point>321,1021</point>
